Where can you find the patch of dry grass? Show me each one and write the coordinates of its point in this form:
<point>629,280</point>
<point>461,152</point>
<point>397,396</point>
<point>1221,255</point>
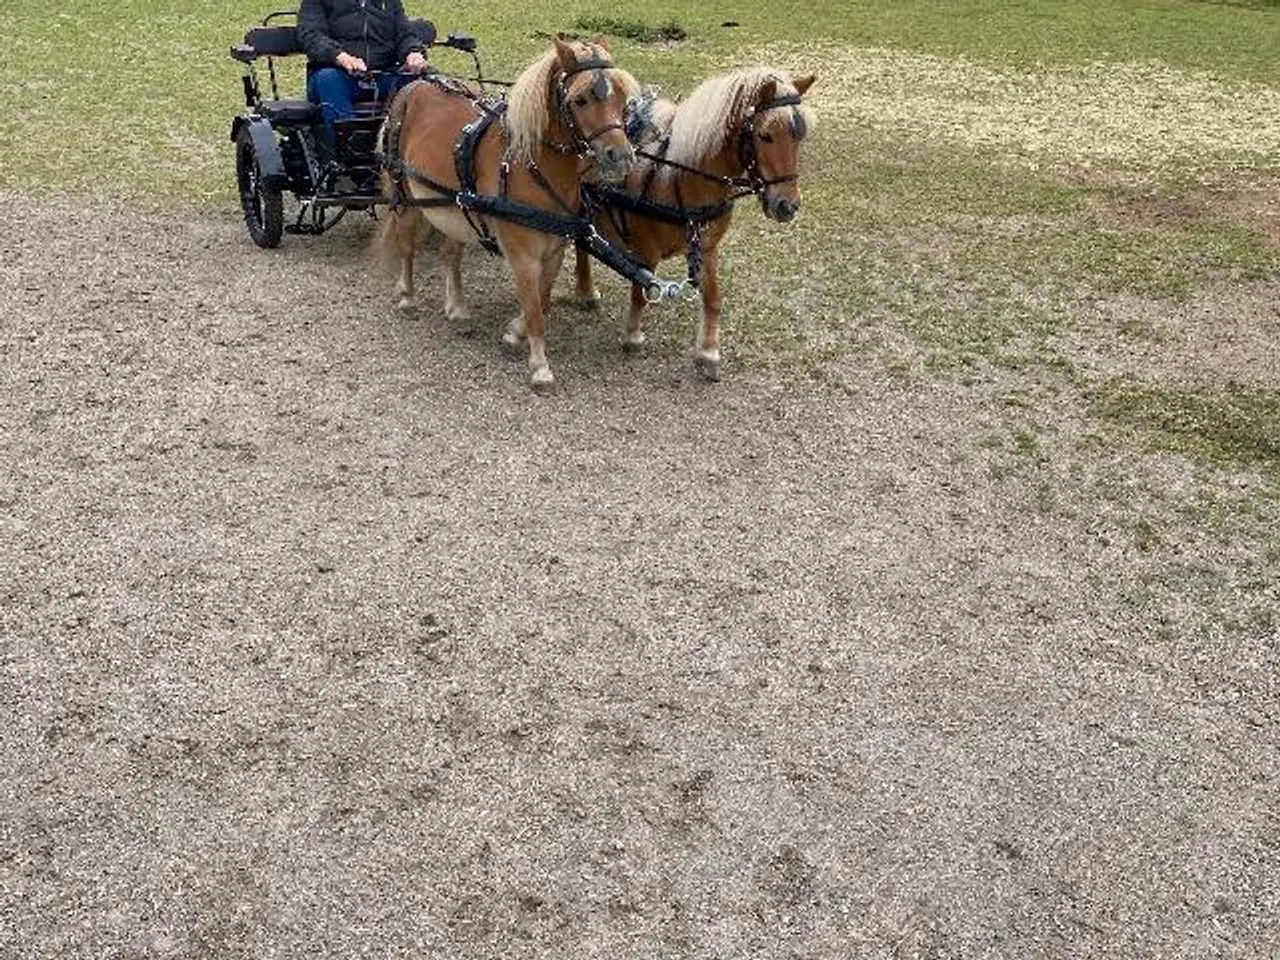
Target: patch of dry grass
<point>1144,116</point>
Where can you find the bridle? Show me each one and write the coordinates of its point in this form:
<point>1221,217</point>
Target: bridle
<point>747,143</point>
<point>752,181</point>
<point>582,141</point>
<point>696,219</point>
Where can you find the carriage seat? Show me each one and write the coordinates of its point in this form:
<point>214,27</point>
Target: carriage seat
<point>282,41</point>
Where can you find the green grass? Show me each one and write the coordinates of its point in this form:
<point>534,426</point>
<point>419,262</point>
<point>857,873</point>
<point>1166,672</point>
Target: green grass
<point>1143,262</point>
<point>136,98</point>
<point>1226,427</point>
<point>669,31</point>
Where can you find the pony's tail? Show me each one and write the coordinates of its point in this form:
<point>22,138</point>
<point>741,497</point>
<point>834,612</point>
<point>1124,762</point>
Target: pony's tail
<point>397,236</point>
<point>396,239</point>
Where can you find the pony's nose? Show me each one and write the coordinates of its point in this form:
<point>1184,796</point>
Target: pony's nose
<point>620,156</point>
<point>616,162</point>
<point>785,209</point>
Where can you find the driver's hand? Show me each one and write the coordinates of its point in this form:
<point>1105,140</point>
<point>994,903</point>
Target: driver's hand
<point>350,64</point>
<point>415,62</point>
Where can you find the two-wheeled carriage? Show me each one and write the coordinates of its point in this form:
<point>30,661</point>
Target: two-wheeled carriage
<point>278,139</point>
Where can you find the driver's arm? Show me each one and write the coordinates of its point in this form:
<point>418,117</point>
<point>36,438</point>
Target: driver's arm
<point>408,42</point>
<point>313,34</point>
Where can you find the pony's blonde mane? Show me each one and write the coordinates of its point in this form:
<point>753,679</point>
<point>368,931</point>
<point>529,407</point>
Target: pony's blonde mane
<point>529,111</point>
<point>715,110</point>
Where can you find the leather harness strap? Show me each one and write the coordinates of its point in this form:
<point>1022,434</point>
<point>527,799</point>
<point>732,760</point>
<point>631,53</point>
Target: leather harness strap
<point>473,204</point>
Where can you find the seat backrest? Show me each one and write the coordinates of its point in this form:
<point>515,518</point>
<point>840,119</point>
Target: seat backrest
<point>425,30</point>
<point>273,41</point>
<point>282,41</point>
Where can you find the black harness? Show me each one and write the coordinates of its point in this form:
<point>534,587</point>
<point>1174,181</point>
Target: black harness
<point>618,203</point>
<point>567,223</point>
<point>600,89</point>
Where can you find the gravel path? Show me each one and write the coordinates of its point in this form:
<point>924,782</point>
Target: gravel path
<point>320,636</point>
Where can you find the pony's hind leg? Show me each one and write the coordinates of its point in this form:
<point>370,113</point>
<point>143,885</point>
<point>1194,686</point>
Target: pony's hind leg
<point>455,306</point>
<point>585,294</point>
<point>405,226</point>
<point>706,356</point>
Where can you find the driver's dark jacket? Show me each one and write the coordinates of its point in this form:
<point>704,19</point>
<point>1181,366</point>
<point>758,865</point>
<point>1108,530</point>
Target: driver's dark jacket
<point>376,31</point>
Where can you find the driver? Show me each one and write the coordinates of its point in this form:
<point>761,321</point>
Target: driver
<point>345,39</point>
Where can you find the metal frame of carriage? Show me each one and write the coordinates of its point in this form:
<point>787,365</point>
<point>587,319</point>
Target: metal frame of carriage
<point>276,138</point>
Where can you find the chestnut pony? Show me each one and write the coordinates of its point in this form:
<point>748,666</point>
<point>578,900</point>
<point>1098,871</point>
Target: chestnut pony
<point>735,135</point>
<point>459,162</point>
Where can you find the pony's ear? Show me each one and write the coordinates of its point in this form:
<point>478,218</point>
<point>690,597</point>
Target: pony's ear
<point>802,84</point>
<point>564,52</point>
<point>768,90</point>
<point>601,41</point>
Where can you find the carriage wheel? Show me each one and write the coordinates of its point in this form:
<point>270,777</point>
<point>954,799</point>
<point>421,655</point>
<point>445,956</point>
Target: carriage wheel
<point>263,205</point>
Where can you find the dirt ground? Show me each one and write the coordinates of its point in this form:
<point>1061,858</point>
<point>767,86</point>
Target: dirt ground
<point>321,636</point>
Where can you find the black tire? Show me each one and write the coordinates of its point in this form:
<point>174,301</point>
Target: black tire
<point>263,205</point>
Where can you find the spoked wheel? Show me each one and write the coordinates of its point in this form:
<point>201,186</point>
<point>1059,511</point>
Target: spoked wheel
<point>262,204</point>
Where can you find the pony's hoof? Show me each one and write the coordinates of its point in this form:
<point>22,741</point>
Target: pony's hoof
<point>407,309</point>
<point>707,367</point>
<point>457,314</point>
<point>512,344</point>
<point>541,380</point>
<point>587,301</point>
<point>633,343</point>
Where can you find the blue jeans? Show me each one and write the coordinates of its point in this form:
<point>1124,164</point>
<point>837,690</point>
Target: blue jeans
<point>337,93</point>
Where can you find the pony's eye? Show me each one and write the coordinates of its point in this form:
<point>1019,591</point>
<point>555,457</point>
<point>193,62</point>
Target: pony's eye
<point>766,137</point>
<point>580,101</point>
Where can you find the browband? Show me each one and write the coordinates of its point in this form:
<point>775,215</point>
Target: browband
<point>786,100</point>
<point>595,63</point>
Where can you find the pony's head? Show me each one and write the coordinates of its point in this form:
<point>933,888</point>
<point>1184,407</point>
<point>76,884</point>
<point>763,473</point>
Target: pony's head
<point>769,144</point>
<point>576,87</point>
<point>749,122</point>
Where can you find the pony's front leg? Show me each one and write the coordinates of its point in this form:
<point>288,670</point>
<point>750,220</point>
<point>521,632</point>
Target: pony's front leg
<point>585,294</point>
<point>455,306</point>
<point>526,272</point>
<point>706,356</point>
<point>633,339</point>
<point>551,264</point>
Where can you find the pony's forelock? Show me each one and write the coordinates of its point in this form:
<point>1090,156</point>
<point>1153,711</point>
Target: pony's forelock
<point>785,117</point>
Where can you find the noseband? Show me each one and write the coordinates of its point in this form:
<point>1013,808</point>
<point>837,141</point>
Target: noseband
<point>600,89</point>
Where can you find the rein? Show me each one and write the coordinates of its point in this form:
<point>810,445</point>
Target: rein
<point>569,224</point>
<point>751,182</point>
<point>693,219</point>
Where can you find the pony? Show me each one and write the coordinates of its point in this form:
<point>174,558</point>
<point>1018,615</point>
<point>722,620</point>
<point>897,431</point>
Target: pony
<point>506,174</point>
<point>735,135</point>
